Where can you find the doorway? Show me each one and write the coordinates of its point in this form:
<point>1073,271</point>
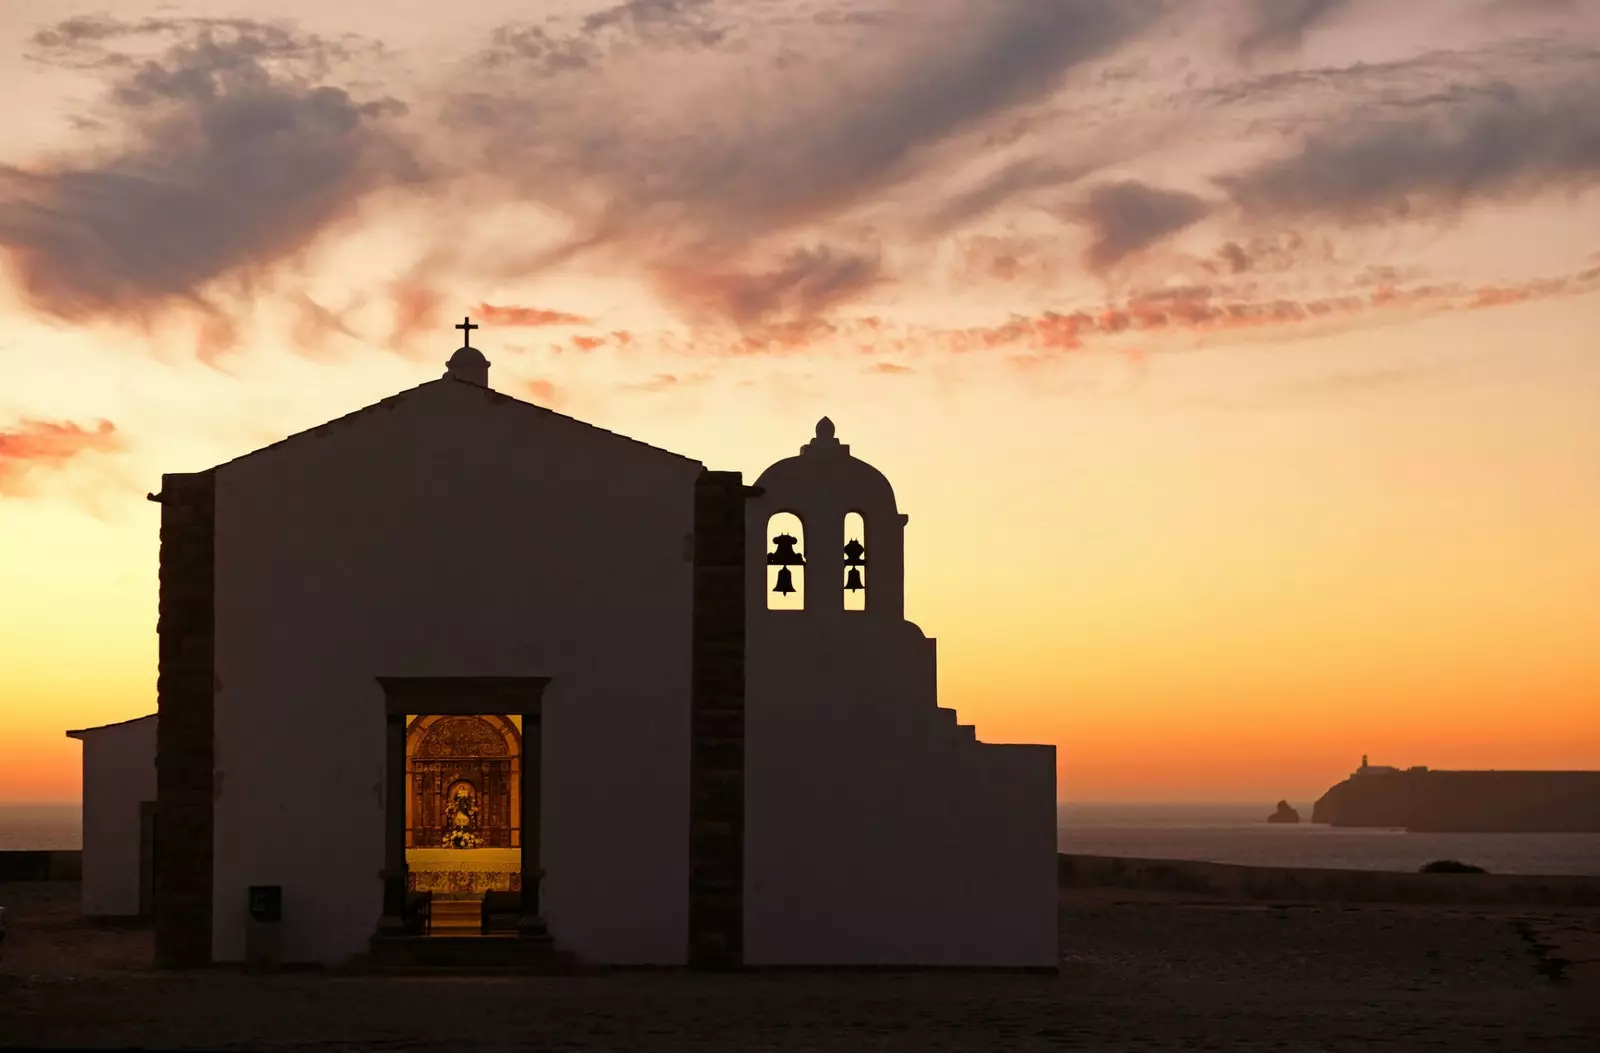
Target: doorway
<point>462,806</point>
<point>463,829</point>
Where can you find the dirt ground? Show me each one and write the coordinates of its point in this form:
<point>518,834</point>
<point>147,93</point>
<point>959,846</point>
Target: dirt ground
<point>1138,972</point>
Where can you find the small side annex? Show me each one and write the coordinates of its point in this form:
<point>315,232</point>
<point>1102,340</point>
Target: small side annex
<point>119,801</point>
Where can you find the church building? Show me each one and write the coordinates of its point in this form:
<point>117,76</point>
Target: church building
<point>457,659</point>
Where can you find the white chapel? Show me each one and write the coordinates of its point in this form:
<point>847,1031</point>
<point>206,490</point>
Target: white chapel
<point>455,675</point>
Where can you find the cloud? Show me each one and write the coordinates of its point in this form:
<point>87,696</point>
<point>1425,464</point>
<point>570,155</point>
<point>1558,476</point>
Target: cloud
<point>804,283</point>
<point>1357,383</point>
<point>515,315</point>
<point>684,22</point>
<point>417,307</point>
<point>1186,310</point>
<point>554,46</point>
<point>1522,9</point>
<point>1500,142</point>
<point>1234,255</point>
<point>32,444</point>
<point>1422,139</point>
<point>1015,182</point>
<point>316,324</point>
<point>226,152</point>
<point>1204,310</point>
<point>224,155</point>
<point>848,153</point>
<point>663,382</point>
<point>1160,319</point>
<point>705,178</point>
<point>1127,216</point>
<point>543,392</point>
<point>1540,289</point>
<point>1276,25</point>
<point>768,168</point>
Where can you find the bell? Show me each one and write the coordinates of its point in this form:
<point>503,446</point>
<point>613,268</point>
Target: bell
<point>785,555</point>
<point>785,582</point>
<point>852,581</point>
<point>853,553</point>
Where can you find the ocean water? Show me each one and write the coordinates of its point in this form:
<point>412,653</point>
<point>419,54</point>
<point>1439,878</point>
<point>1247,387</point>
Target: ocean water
<point>32,827</point>
<point>1239,833</point>
<point>1217,833</point>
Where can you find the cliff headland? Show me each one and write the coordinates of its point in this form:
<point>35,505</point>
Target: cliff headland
<point>1424,800</point>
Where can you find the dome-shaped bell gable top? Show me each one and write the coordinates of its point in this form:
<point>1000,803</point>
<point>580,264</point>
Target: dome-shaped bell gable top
<point>854,532</point>
<point>826,475</point>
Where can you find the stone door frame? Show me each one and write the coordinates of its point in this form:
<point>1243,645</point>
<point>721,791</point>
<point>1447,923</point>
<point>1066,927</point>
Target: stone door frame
<point>459,696</point>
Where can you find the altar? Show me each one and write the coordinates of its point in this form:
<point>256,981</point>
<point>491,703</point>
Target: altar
<point>464,873</point>
<point>463,797</point>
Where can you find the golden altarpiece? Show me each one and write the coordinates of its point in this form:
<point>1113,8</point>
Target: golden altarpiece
<point>463,789</point>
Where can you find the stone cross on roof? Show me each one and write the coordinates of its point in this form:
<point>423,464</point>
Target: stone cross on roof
<point>468,362</point>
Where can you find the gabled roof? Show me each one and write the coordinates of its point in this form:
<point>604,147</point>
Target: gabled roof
<point>494,396</point>
<point>81,732</point>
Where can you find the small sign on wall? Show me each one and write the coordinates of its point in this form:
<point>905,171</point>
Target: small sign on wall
<point>266,903</point>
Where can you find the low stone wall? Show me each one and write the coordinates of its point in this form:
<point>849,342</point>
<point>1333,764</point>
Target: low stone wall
<point>60,865</point>
<point>1163,875</point>
<point>1341,886</point>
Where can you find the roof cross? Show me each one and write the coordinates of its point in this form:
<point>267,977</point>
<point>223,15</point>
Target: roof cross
<point>467,326</point>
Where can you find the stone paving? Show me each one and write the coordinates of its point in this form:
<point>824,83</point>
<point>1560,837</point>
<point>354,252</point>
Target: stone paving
<point>1145,973</point>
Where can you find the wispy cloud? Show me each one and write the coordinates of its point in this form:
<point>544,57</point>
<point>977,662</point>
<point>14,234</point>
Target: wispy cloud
<point>1159,318</point>
<point>1500,142</point>
<point>226,154</point>
<point>771,168</point>
<point>316,324</point>
<point>716,191</point>
<point>1127,216</point>
<point>1204,310</point>
<point>543,391</point>
<point>417,305</point>
<point>804,283</point>
<point>41,444</point>
<point>663,382</point>
<point>519,315</point>
<point>1275,25</point>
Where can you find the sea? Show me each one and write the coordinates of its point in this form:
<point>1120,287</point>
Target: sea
<point>1217,833</point>
<point>1239,833</point>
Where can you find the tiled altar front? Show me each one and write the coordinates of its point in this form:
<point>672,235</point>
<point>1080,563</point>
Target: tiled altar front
<point>467,872</point>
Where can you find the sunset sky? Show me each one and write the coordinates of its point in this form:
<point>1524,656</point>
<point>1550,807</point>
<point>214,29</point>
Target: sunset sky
<point>1237,362</point>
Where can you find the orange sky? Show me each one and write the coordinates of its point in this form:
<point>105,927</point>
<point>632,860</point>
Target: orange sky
<point>1237,371</point>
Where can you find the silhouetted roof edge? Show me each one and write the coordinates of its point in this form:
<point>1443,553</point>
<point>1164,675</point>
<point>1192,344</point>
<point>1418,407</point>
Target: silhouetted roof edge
<point>81,732</point>
<point>398,396</point>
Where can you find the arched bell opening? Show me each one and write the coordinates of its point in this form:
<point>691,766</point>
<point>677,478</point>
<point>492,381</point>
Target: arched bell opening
<point>786,571</point>
<point>855,562</point>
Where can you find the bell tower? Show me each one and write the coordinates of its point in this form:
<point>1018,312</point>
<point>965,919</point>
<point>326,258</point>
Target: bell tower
<point>823,487</point>
<point>872,815</point>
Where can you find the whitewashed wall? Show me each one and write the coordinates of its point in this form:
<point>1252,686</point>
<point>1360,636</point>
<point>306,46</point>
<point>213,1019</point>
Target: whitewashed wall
<point>448,533</point>
<point>119,771</point>
<point>878,830</point>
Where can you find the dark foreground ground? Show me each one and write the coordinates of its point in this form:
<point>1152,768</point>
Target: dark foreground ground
<point>1139,971</point>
